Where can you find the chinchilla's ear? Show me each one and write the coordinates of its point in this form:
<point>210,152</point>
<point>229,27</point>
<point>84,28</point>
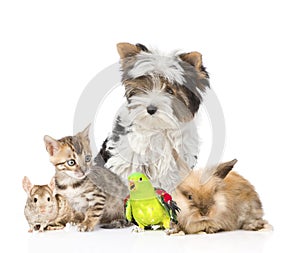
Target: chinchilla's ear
<point>52,184</point>
<point>27,185</point>
<point>224,168</point>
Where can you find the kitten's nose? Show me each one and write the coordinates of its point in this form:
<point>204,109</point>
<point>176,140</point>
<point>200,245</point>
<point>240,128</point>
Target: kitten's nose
<point>151,109</point>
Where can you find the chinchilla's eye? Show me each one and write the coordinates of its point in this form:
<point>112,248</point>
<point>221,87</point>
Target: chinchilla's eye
<point>35,200</point>
<point>88,158</point>
<point>48,199</point>
<point>190,197</point>
<point>71,162</point>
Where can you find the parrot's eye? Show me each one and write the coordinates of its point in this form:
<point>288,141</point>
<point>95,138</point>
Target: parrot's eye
<point>141,179</point>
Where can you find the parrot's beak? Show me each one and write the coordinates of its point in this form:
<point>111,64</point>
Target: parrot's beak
<point>131,185</point>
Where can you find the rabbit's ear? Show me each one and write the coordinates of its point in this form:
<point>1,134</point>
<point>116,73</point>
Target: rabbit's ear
<point>224,168</point>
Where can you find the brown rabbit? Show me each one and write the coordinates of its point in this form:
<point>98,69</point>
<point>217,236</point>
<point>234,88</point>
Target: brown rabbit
<point>218,200</point>
<point>45,210</point>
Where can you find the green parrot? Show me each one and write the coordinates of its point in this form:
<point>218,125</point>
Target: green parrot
<point>147,206</point>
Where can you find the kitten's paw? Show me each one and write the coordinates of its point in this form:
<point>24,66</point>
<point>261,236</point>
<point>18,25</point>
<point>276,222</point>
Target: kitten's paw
<point>85,227</point>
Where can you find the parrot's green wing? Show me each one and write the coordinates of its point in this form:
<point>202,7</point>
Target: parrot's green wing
<point>166,201</point>
<point>127,206</point>
<point>128,209</point>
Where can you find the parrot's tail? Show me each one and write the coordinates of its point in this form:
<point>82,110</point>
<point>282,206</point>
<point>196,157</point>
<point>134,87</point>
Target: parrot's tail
<point>120,223</point>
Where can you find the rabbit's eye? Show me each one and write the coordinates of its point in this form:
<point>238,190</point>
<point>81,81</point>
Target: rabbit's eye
<point>190,197</point>
<point>35,200</point>
<point>48,199</point>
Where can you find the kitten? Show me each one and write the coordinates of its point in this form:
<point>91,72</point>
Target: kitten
<point>93,190</point>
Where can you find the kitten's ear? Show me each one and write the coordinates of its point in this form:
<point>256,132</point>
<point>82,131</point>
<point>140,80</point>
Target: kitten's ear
<point>27,185</point>
<point>224,168</point>
<point>52,184</point>
<point>52,145</point>
<point>128,50</point>
<point>85,132</point>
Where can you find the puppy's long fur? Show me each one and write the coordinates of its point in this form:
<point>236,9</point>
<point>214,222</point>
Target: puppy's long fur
<point>163,94</point>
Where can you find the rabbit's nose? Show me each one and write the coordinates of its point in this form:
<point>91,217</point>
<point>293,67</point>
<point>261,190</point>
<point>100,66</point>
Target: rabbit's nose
<point>203,210</point>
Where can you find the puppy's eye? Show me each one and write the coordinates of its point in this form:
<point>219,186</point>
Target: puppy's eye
<point>169,90</point>
<point>35,200</point>
<point>130,94</point>
<point>88,158</point>
<point>71,162</point>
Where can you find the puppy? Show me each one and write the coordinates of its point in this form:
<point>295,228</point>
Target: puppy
<point>163,92</point>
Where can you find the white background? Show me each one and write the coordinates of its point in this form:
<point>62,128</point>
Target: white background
<point>50,50</point>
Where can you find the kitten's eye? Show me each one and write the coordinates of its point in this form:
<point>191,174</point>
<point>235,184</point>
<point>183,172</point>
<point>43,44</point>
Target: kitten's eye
<point>141,179</point>
<point>88,158</point>
<point>190,197</point>
<point>169,90</point>
<point>71,162</point>
<point>35,200</point>
<point>48,199</point>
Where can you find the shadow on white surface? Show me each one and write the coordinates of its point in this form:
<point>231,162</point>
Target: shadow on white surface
<point>123,240</point>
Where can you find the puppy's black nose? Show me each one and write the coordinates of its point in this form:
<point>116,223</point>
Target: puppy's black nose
<point>151,109</point>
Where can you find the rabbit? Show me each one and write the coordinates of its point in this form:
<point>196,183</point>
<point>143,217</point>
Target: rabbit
<point>45,210</point>
<point>218,199</point>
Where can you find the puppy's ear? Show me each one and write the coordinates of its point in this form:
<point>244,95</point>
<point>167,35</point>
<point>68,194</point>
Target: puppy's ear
<point>224,168</point>
<point>128,50</point>
<point>195,59</point>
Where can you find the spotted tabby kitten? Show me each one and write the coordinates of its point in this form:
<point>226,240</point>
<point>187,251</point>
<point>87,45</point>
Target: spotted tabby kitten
<point>93,190</point>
